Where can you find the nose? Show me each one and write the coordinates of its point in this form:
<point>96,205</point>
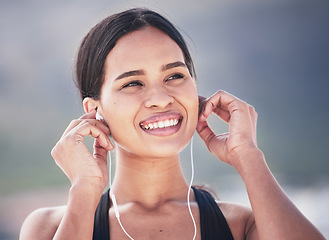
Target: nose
<point>158,96</point>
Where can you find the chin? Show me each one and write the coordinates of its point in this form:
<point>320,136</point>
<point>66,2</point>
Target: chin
<point>168,149</point>
<point>156,149</point>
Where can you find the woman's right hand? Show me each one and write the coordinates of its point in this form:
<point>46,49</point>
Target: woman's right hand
<point>76,161</point>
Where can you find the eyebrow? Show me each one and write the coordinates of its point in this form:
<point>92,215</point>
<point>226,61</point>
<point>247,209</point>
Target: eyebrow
<point>173,65</point>
<point>141,72</point>
<point>130,74</point>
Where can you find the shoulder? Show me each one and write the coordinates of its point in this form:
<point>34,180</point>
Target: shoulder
<point>240,220</point>
<point>42,223</point>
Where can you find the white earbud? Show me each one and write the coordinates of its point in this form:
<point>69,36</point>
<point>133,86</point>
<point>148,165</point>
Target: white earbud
<point>99,117</point>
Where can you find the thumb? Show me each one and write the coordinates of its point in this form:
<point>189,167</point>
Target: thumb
<point>205,132</point>
<point>100,155</point>
<point>215,143</point>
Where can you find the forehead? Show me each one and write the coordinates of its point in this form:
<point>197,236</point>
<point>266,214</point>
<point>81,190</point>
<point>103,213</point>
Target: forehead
<point>141,49</point>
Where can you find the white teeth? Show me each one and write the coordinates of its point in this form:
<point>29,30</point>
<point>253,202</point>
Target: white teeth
<point>161,124</point>
<point>167,123</point>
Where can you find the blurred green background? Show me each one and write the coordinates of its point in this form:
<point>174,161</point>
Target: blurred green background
<point>273,54</point>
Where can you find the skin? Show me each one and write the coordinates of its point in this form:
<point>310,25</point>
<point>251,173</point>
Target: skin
<point>149,184</point>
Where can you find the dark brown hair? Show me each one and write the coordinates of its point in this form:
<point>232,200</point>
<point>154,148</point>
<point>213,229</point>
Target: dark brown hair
<point>102,38</point>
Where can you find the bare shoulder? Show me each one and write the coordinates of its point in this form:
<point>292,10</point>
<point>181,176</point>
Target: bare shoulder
<point>240,220</point>
<point>42,223</point>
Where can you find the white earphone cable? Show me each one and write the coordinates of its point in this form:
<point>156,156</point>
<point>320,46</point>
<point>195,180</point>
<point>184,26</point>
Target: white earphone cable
<point>117,214</point>
<point>116,210</point>
<point>190,189</point>
<point>110,169</point>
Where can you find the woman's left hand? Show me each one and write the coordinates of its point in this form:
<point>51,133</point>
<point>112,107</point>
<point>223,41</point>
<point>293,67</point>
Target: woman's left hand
<point>240,141</point>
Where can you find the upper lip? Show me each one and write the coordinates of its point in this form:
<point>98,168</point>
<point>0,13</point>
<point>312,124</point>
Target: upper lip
<point>161,117</point>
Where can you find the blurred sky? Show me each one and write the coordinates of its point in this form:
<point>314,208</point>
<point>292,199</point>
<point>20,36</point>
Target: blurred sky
<point>274,54</point>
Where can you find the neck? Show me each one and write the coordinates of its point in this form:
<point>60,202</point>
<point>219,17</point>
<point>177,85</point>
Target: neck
<point>149,182</point>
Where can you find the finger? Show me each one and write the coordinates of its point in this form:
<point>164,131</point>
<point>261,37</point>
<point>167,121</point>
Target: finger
<point>225,105</point>
<point>85,128</point>
<point>90,115</point>
<point>222,113</point>
<point>100,156</point>
<point>202,101</point>
<point>101,125</point>
<point>229,102</point>
<point>254,116</point>
<point>215,143</point>
<point>76,122</point>
<point>99,151</point>
<point>212,105</point>
<point>205,132</point>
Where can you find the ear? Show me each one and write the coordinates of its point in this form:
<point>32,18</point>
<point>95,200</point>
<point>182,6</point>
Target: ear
<point>89,104</point>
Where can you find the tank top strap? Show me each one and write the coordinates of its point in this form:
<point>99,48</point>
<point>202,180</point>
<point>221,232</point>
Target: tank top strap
<point>212,221</point>
<point>101,222</point>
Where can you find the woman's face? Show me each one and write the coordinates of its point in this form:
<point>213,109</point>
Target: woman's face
<point>149,98</point>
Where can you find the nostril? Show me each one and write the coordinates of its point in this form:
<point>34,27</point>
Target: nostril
<point>159,99</point>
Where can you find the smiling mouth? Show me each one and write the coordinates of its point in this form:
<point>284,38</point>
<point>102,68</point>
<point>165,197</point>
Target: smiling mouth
<point>161,124</point>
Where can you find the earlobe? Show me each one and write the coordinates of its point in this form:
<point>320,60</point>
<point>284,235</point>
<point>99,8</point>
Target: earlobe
<point>89,104</point>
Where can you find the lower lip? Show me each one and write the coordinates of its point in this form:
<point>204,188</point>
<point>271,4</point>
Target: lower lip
<point>166,131</point>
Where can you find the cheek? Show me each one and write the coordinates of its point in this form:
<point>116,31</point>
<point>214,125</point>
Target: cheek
<point>192,101</point>
<point>194,112</point>
<point>120,118</point>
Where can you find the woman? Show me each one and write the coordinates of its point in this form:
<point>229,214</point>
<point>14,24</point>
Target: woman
<point>135,71</point>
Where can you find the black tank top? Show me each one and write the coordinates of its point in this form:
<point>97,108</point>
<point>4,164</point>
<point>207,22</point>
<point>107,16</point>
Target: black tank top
<point>212,221</point>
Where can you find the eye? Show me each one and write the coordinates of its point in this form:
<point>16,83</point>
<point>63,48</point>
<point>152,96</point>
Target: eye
<point>132,84</point>
<point>175,76</point>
